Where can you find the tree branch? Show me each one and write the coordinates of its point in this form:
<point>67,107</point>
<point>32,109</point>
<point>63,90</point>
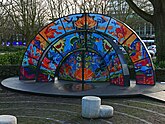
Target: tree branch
<point>152,1</point>
<point>140,12</point>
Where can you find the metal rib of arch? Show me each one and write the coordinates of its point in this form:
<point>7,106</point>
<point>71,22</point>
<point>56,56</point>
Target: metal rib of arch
<point>85,26</point>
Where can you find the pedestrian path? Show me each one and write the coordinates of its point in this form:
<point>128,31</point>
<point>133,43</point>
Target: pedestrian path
<point>157,95</point>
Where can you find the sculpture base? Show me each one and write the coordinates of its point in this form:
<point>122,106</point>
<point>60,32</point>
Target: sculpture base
<point>68,88</point>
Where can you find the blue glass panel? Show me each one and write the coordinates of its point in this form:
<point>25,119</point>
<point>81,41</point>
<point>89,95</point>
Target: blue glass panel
<point>135,48</point>
<point>114,65</point>
<point>109,55</point>
<point>49,65</point>
<point>69,43</point>
<point>102,21</point>
<point>53,31</point>
<point>32,52</point>
<point>36,47</point>
<point>31,57</point>
<point>144,72</point>
<point>28,68</point>
<point>98,43</point>
<point>71,68</point>
<point>69,22</point>
<point>95,68</point>
<point>29,61</point>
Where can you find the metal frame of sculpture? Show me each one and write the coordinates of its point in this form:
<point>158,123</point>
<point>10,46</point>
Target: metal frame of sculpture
<point>86,48</point>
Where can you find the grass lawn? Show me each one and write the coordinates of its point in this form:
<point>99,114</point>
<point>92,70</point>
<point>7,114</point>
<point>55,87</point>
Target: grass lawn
<point>37,109</point>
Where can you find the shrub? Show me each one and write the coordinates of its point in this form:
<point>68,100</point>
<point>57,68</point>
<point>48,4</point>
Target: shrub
<point>7,71</point>
<point>13,58</point>
<point>5,49</point>
<point>161,64</point>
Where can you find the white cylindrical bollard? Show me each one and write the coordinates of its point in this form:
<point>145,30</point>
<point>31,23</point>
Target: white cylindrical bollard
<point>8,119</point>
<point>91,106</point>
<point>106,111</point>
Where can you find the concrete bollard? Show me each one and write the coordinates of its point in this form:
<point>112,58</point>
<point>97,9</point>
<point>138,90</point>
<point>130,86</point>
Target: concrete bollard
<point>106,111</point>
<point>91,106</point>
<point>8,119</point>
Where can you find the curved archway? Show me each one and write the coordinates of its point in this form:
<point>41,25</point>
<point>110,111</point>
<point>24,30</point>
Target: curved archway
<point>101,33</point>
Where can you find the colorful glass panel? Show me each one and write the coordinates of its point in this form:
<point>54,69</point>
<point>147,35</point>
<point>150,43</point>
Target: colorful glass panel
<point>118,31</point>
<point>135,48</point>
<point>144,72</point>
<point>31,57</point>
<point>69,22</point>
<point>36,47</point>
<point>70,43</point>
<point>114,65</point>
<point>53,31</point>
<point>71,68</point>
<point>95,68</point>
<point>49,66</point>
<point>98,43</point>
<point>28,68</point>
<point>80,22</point>
<point>101,21</point>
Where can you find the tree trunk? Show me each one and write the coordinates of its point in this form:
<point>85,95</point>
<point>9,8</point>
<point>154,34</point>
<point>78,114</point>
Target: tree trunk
<point>159,25</point>
<point>158,20</point>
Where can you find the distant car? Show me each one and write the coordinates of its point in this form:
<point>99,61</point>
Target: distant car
<point>152,53</point>
<point>152,47</point>
<point>152,50</point>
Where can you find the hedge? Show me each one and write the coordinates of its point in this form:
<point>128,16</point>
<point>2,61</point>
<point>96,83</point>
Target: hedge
<point>8,71</point>
<point>12,48</point>
<point>11,58</point>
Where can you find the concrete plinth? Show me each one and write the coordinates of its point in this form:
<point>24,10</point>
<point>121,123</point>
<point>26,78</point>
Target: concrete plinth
<point>8,119</point>
<point>91,106</point>
<point>64,88</point>
<point>106,111</point>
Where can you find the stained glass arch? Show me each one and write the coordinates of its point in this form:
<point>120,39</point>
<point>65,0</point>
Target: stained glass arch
<point>85,48</point>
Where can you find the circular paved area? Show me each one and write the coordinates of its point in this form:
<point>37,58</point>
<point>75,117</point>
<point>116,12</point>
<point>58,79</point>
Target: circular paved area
<point>36,109</point>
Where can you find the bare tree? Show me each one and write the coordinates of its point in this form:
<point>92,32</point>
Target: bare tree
<point>2,14</point>
<point>28,16</point>
<point>59,8</point>
<point>157,18</point>
<point>3,21</point>
<point>115,8</point>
